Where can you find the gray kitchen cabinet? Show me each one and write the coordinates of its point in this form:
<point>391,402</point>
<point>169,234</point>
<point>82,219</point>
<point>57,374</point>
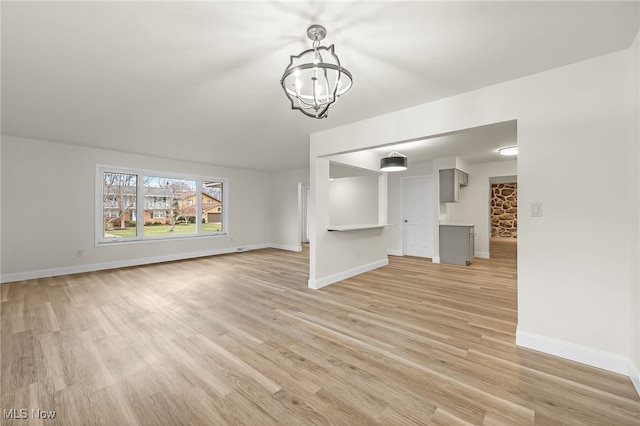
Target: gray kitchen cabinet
<point>450,182</point>
<point>457,242</point>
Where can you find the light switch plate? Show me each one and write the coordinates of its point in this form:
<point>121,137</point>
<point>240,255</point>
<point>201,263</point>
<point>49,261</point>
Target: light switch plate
<point>536,209</point>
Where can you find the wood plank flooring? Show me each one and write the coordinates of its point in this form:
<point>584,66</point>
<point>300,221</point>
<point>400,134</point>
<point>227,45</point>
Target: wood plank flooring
<point>239,339</point>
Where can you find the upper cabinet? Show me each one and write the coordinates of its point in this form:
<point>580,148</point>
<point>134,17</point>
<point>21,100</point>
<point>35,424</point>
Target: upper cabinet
<point>450,182</point>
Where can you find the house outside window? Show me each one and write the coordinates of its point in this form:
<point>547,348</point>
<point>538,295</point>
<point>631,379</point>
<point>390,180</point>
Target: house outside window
<point>171,205</point>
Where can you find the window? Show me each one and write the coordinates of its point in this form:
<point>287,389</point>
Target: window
<point>212,212</point>
<point>118,201</point>
<point>167,195</point>
<point>169,205</point>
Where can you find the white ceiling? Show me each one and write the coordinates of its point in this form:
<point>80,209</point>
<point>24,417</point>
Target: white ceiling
<point>477,145</point>
<point>199,81</point>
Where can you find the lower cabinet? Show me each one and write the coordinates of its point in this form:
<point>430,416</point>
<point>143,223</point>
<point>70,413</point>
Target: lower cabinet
<point>457,244</point>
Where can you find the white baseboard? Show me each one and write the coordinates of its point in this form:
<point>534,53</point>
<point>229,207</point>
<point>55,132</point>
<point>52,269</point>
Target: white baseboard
<point>323,282</point>
<point>286,247</point>
<point>77,269</point>
<point>482,254</point>
<point>435,259</point>
<point>634,375</point>
<point>392,252</point>
<point>583,354</point>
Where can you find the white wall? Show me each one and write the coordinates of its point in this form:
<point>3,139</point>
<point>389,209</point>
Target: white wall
<point>635,200</point>
<point>574,261</point>
<point>346,253</point>
<point>574,265</point>
<point>353,200</point>
<point>0,221</point>
<point>48,210</point>
<point>285,213</point>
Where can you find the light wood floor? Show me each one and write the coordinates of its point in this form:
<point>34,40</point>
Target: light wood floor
<point>239,339</point>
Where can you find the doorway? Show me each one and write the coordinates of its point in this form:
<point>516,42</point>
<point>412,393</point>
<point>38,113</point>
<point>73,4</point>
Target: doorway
<point>504,217</point>
<point>504,206</point>
<point>417,209</point>
<point>304,213</point>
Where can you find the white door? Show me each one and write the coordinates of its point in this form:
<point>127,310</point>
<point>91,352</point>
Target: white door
<point>417,209</point>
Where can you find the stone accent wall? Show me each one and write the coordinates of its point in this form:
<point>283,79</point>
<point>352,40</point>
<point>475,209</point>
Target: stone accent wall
<point>504,210</point>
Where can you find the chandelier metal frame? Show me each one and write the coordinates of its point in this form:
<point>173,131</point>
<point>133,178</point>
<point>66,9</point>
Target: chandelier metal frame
<point>325,80</point>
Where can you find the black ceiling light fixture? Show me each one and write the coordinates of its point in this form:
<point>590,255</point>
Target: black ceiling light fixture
<point>314,79</point>
<point>394,162</point>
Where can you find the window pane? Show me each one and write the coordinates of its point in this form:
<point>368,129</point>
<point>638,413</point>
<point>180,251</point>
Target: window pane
<point>167,210</point>
<point>118,205</point>
<point>134,205</point>
<point>212,208</point>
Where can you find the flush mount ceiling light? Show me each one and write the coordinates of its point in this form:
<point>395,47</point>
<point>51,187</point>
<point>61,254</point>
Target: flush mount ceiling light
<point>394,162</point>
<point>314,79</point>
<point>508,150</point>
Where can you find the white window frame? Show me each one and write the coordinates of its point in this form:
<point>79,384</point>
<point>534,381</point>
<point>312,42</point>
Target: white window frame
<point>139,207</point>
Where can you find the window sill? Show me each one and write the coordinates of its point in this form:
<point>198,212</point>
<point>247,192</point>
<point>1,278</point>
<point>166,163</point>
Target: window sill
<point>125,241</point>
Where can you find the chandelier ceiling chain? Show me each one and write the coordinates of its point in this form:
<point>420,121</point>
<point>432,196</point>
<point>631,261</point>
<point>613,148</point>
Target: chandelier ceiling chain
<point>313,81</point>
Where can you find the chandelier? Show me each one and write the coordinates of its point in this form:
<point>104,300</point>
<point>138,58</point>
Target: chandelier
<point>314,79</point>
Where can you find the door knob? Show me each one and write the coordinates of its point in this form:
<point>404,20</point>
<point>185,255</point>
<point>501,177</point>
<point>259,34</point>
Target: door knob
<point>405,221</point>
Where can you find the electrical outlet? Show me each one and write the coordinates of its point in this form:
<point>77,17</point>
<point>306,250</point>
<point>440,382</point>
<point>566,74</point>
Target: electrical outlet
<point>79,253</point>
<point>357,255</point>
